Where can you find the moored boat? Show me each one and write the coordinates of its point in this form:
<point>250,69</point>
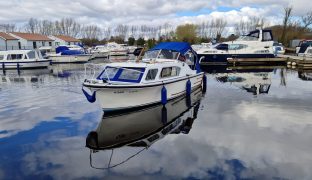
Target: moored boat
<point>163,74</point>
<point>256,44</point>
<point>22,59</point>
<point>66,54</point>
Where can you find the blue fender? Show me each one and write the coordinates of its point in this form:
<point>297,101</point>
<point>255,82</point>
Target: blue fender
<point>163,95</point>
<point>188,88</point>
<point>90,98</point>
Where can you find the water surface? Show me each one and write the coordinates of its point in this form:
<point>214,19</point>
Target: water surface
<point>251,123</point>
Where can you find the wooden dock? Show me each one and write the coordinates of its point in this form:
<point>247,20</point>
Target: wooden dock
<point>302,62</point>
<point>254,61</point>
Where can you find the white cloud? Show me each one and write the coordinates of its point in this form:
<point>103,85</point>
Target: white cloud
<point>105,12</point>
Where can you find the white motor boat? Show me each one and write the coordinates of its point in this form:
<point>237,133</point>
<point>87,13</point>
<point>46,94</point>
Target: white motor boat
<point>22,59</point>
<point>162,75</point>
<point>256,44</point>
<point>69,54</point>
<point>115,49</point>
<point>305,49</point>
<point>99,51</point>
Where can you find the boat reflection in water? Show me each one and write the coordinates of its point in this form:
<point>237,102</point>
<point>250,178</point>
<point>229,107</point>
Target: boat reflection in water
<point>305,75</point>
<point>255,83</point>
<point>24,76</point>
<point>145,126</point>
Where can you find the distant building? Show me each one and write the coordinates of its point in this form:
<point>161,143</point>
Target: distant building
<point>295,42</point>
<point>8,42</point>
<point>31,40</point>
<point>61,40</point>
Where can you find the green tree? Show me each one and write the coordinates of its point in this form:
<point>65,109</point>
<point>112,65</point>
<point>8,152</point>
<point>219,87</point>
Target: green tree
<point>186,33</point>
<point>131,41</point>
<point>140,42</point>
<point>151,43</point>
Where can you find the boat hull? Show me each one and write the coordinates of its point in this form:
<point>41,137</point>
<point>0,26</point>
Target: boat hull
<point>121,98</point>
<point>118,53</point>
<point>99,55</point>
<point>70,58</point>
<point>21,64</point>
<point>221,59</point>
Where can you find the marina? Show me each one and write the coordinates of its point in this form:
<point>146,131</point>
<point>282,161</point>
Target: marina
<point>156,90</point>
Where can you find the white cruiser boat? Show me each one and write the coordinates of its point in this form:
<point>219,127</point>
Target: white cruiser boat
<point>305,49</point>
<point>256,44</point>
<point>159,77</point>
<point>69,54</point>
<point>22,59</point>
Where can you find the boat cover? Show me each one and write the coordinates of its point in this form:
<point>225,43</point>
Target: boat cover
<point>71,52</point>
<point>181,47</point>
<point>61,49</point>
<point>64,50</point>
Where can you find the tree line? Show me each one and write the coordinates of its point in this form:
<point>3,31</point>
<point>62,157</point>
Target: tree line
<point>205,31</point>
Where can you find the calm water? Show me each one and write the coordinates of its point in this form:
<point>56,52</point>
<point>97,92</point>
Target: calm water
<point>250,124</point>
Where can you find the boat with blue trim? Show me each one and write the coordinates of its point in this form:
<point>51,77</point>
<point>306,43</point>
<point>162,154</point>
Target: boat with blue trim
<point>69,54</point>
<point>161,75</point>
<point>256,44</point>
<point>22,59</point>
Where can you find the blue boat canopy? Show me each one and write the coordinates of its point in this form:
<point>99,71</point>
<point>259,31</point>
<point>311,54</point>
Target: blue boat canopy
<point>61,49</point>
<point>181,47</point>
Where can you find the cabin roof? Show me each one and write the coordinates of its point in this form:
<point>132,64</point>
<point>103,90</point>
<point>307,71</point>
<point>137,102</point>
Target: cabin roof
<point>6,36</point>
<point>15,52</point>
<point>32,36</point>
<point>67,38</point>
<point>181,47</point>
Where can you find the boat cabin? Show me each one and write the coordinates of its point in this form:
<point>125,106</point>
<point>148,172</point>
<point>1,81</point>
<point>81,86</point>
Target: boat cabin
<point>157,65</point>
<point>257,35</point>
<point>19,55</point>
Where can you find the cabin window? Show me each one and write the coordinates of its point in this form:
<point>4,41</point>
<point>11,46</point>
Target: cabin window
<point>123,74</point>
<point>236,46</point>
<point>31,55</point>
<point>151,54</point>
<point>130,74</point>
<point>50,43</point>
<point>267,36</point>
<point>167,54</point>
<point>15,56</point>
<point>170,72</point>
<point>1,57</point>
<point>151,74</point>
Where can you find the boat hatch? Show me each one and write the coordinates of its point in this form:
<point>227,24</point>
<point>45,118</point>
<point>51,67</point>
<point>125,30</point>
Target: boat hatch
<point>122,74</point>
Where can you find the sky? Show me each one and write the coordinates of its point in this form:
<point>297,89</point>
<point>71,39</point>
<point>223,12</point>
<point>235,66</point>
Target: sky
<point>149,12</point>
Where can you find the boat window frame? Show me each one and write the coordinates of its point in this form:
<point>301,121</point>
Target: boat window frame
<point>117,75</point>
<point>178,71</point>
<point>153,78</point>
<point>9,56</point>
<point>2,57</point>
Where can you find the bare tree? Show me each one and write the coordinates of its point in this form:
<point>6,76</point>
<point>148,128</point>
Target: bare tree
<point>245,26</point>
<point>91,32</point>
<point>307,20</point>
<point>32,26</point>
<point>7,27</point>
<point>286,19</point>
